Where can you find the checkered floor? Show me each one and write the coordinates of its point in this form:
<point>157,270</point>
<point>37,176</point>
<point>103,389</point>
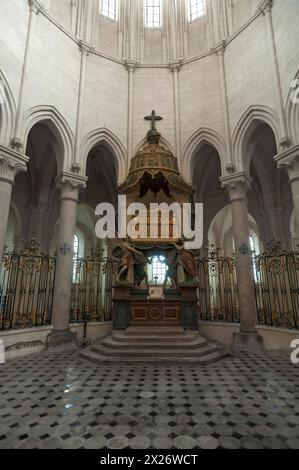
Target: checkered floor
<point>57,400</point>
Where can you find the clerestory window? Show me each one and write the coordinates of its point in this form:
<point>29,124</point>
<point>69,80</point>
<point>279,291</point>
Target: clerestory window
<point>197,9</point>
<point>153,13</point>
<point>108,8</point>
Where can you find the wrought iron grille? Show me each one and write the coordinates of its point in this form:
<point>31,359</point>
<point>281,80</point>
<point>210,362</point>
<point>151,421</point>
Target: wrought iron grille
<point>92,289</point>
<point>277,287</point>
<point>217,288</point>
<point>26,288</point>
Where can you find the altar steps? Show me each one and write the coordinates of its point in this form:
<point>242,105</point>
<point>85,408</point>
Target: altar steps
<point>117,341</point>
<point>146,344</point>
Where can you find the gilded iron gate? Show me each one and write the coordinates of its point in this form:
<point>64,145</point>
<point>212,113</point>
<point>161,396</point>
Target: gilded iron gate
<point>277,287</point>
<point>217,288</point>
<point>26,288</point>
<point>27,285</point>
<point>92,288</point>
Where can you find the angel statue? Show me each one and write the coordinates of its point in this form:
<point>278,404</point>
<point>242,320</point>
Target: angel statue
<point>187,267</point>
<point>131,265</point>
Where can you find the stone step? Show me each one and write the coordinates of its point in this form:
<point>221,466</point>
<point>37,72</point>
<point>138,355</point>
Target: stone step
<point>154,344</point>
<point>157,343</point>
<point>206,359</point>
<point>146,338</point>
<point>154,331</point>
<point>129,351</point>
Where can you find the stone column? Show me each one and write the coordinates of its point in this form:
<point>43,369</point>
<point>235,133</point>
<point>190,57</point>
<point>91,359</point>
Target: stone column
<point>70,184</point>
<point>131,67</point>
<point>290,161</point>
<point>35,7</point>
<point>230,23</point>
<point>10,164</point>
<point>220,49</point>
<point>237,185</point>
<point>85,48</point>
<point>175,67</point>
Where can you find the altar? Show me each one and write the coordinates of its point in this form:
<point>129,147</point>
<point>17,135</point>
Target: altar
<point>133,308</point>
<point>155,312</point>
<point>155,276</point>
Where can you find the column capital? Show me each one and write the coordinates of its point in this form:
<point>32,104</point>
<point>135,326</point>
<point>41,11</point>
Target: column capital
<point>265,6</point>
<point>175,65</point>
<point>219,48</point>
<point>130,65</point>
<point>11,163</point>
<point>71,184</point>
<point>290,161</point>
<point>237,185</point>
<point>16,144</point>
<point>35,6</point>
<point>85,47</point>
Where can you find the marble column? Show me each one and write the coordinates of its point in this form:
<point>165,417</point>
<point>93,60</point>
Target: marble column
<point>237,185</point>
<point>289,160</point>
<point>70,184</point>
<point>11,163</point>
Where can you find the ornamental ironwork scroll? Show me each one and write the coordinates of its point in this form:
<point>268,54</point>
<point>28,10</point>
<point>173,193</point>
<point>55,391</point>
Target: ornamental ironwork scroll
<point>26,288</point>
<point>217,288</point>
<point>277,287</point>
<point>92,288</point>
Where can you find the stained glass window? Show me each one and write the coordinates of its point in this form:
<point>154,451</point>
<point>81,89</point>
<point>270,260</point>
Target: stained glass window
<point>76,249</point>
<point>157,270</point>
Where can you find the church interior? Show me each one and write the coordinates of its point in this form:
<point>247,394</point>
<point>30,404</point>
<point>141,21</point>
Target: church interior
<point>131,340</point>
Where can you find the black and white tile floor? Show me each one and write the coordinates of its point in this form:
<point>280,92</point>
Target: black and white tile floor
<point>57,400</point>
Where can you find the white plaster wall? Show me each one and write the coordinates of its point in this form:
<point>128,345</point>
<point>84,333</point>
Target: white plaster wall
<point>61,11</point>
<point>242,10</point>
<point>200,97</point>
<point>105,97</point>
<point>153,46</point>
<point>13,30</point>
<point>274,339</point>
<point>54,70</point>
<point>285,22</point>
<point>153,89</point>
<point>106,37</point>
<point>197,37</point>
<point>54,67</point>
<point>28,341</point>
<point>249,71</point>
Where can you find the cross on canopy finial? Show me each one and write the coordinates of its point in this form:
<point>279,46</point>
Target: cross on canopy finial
<point>153,118</point>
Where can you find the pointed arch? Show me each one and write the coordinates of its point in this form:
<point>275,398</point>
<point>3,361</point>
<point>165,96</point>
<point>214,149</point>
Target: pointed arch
<point>7,111</point>
<point>107,138</point>
<point>64,145</point>
<point>203,136</point>
<point>292,109</point>
<point>251,117</point>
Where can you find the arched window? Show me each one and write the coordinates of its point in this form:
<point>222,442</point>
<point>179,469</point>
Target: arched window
<point>197,9</point>
<point>108,8</point>
<point>153,13</point>
<point>157,270</point>
<point>254,246</point>
<point>76,254</point>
